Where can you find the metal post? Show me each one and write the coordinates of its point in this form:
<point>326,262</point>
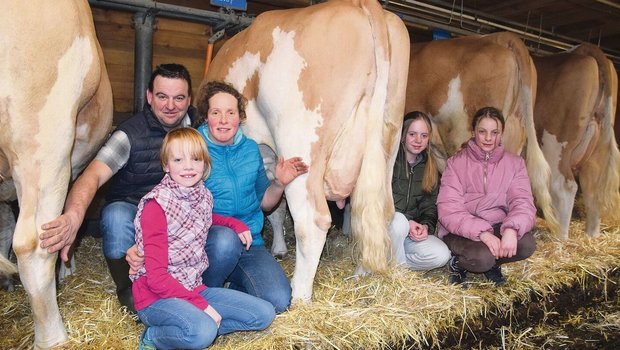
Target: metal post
<point>143,56</point>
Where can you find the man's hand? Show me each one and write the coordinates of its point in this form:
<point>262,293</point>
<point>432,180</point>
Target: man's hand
<point>214,315</point>
<point>246,239</point>
<point>59,234</point>
<point>508,247</point>
<point>492,242</point>
<point>134,259</point>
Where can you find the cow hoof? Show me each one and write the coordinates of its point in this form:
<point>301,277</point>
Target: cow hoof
<point>6,283</point>
<point>66,270</point>
<point>360,271</point>
<point>279,254</point>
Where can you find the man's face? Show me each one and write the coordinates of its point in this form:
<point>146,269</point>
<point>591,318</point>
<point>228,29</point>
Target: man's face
<point>169,100</point>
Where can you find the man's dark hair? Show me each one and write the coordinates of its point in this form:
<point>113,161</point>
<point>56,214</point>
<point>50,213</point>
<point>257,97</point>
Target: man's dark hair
<point>172,71</point>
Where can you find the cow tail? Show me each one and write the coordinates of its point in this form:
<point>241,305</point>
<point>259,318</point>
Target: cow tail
<point>371,202</point>
<point>606,156</point>
<point>6,266</point>
<point>538,169</point>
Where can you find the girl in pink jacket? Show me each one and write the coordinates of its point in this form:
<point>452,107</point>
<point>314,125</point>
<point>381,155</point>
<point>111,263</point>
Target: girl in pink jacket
<point>485,204</point>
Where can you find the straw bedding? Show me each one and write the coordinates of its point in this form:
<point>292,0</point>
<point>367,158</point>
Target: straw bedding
<point>402,310</point>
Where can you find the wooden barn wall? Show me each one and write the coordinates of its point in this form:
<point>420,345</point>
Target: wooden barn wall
<point>174,41</point>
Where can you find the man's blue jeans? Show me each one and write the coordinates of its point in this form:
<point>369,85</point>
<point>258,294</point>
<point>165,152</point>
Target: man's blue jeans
<point>175,323</point>
<point>252,271</point>
<point>117,228</point>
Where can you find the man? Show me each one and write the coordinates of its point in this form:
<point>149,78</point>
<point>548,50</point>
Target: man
<point>131,158</point>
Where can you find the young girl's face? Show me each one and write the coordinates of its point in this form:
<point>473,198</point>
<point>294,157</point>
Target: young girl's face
<point>416,139</point>
<point>488,134</point>
<point>183,167</point>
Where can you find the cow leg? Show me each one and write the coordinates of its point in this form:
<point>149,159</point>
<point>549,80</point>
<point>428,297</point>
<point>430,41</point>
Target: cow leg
<point>7,226</point>
<point>346,220</point>
<point>309,245</point>
<point>36,271</point>
<point>563,193</point>
<point>592,178</point>
<point>41,184</point>
<point>312,220</point>
<point>276,219</point>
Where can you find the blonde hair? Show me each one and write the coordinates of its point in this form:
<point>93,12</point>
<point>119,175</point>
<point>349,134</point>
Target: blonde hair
<point>190,142</point>
<point>431,171</point>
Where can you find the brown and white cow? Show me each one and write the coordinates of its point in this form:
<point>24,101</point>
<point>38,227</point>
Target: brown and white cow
<point>452,79</point>
<point>327,83</point>
<point>574,114</point>
<point>55,111</point>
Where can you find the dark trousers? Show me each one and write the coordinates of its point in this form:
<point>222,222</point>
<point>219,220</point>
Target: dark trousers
<point>476,257</point>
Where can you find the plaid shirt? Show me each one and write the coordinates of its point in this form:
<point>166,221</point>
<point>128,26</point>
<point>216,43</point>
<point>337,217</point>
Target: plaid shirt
<point>115,152</point>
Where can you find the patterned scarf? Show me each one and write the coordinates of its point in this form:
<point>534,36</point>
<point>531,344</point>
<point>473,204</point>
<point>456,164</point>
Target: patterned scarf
<point>188,215</point>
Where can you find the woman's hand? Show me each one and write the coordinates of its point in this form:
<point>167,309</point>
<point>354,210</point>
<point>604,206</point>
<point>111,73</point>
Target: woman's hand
<point>214,315</point>
<point>508,247</point>
<point>492,242</point>
<point>417,232</point>
<point>134,259</point>
<point>246,239</point>
<point>288,170</point>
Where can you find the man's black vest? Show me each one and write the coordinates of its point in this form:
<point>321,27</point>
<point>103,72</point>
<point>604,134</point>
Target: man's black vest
<point>143,169</point>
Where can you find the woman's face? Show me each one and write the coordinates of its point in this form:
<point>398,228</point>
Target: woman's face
<point>416,139</point>
<point>223,118</point>
<point>488,134</point>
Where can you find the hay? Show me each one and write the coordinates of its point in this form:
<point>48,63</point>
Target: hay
<point>350,313</point>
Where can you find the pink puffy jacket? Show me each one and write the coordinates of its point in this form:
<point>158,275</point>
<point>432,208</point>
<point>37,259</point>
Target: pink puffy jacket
<point>480,189</point>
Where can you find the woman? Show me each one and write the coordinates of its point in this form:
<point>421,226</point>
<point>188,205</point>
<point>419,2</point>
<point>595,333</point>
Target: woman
<point>414,187</point>
<point>241,190</point>
<point>485,204</point>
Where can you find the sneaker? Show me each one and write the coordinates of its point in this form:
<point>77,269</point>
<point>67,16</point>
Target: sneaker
<point>457,274</point>
<point>145,342</point>
<point>495,275</point>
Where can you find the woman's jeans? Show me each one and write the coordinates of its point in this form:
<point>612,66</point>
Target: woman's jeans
<point>252,271</point>
<point>175,323</point>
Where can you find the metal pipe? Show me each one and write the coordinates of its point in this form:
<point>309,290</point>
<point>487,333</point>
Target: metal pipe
<point>549,39</point>
<point>143,56</point>
<point>174,11</point>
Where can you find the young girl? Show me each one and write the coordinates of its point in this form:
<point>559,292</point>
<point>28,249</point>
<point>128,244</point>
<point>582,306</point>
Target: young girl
<point>171,230</point>
<point>415,184</point>
<point>485,204</point>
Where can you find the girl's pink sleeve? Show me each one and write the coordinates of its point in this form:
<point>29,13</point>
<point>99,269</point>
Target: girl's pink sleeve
<point>235,224</point>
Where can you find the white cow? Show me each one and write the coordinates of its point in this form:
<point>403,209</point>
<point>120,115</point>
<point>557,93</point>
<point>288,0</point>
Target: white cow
<point>326,82</point>
<point>55,111</point>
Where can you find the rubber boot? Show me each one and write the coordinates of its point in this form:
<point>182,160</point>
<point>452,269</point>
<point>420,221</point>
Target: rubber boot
<point>119,270</point>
